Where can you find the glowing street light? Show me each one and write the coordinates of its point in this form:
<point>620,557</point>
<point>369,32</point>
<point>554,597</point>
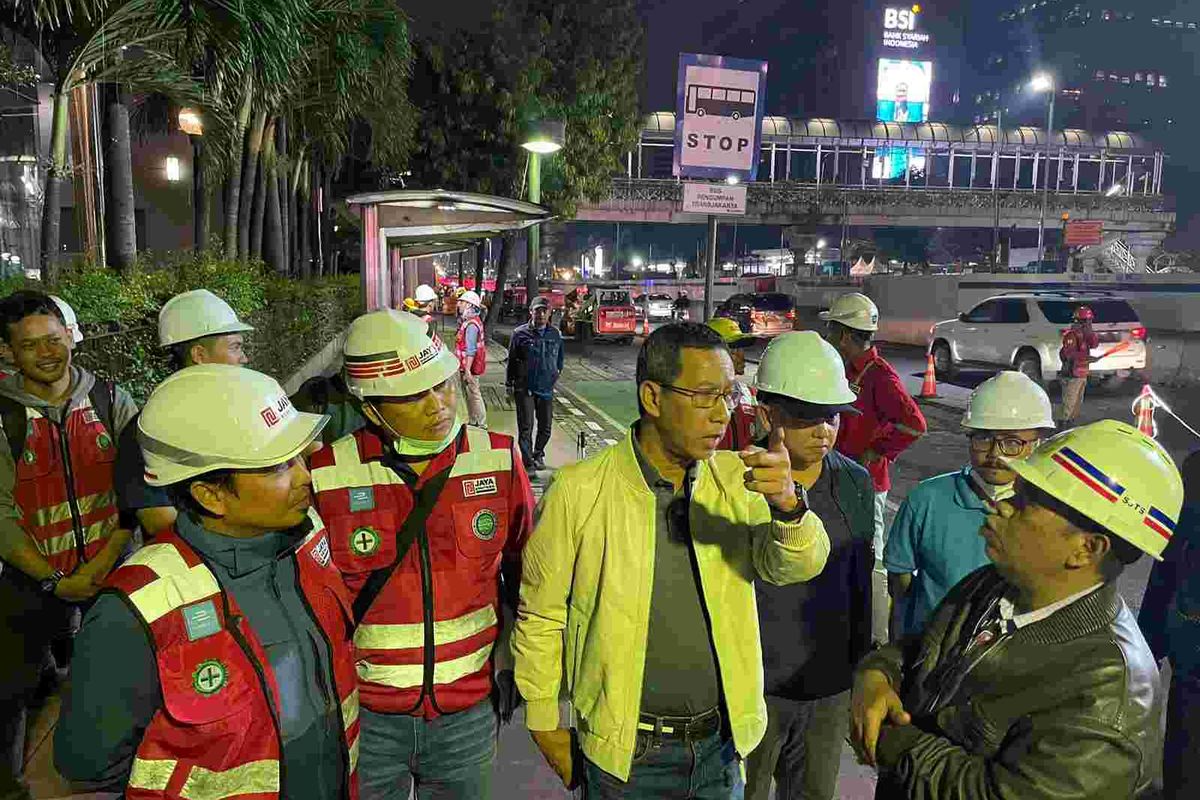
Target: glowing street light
<point>821,244</point>
<point>1043,82</point>
<point>637,262</point>
<point>541,138</point>
<point>733,180</point>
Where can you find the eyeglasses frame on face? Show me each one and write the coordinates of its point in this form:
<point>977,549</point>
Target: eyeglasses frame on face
<point>729,397</point>
<point>996,440</point>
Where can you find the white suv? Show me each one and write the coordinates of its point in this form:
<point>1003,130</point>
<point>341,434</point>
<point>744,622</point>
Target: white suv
<point>1023,331</point>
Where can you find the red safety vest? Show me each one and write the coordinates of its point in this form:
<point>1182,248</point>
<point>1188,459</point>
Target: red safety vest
<point>217,734</point>
<point>477,364</point>
<point>64,485</point>
<point>739,434</point>
<point>444,592</point>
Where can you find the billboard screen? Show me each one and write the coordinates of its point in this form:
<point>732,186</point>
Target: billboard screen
<point>902,90</point>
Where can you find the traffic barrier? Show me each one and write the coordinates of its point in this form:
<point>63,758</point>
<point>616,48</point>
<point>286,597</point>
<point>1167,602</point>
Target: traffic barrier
<point>929,385</point>
<point>1143,412</point>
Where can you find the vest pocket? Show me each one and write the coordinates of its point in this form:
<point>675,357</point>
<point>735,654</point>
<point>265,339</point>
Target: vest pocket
<point>207,680</point>
<point>481,526</point>
<point>363,542</point>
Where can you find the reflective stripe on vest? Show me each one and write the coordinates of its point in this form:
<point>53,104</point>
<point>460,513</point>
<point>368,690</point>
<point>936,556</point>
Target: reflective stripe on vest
<point>256,777</point>
<point>349,717</point>
<point>410,635</point>
<point>177,585</point>
<point>480,457</point>
<point>349,470</point>
<point>151,774</point>
<point>409,676</point>
<point>66,542</point>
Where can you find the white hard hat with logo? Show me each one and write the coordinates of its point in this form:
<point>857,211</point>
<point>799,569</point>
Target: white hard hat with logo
<point>219,416</point>
<point>1008,401</point>
<point>1114,475</point>
<point>69,318</point>
<point>803,366</point>
<point>194,315</point>
<point>472,298</point>
<point>854,310</point>
<point>425,294</point>
<point>391,354</point>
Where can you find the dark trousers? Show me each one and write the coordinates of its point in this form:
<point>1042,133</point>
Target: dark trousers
<point>531,408</point>
<point>801,749</point>
<point>1181,750</point>
<point>708,769</point>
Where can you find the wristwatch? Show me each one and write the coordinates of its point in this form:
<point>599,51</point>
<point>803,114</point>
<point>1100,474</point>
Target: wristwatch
<point>48,585</point>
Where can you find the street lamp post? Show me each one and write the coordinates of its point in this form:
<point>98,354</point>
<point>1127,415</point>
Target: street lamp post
<point>1045,83</point>
<point>191,123</point>
<point>544,138</point>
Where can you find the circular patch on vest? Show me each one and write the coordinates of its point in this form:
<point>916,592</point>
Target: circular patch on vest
<point>103,442</point>
<point>364,541</point>
<point>29,457</point>
<point>483,525</point>
<point>210,677</point>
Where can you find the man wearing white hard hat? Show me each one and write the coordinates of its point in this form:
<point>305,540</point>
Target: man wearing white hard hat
<point>889,420</point>
<point>471,348</point>
<point>217,661</point>
<point>427,519</point>
<point>1031,679</point>
<point>933,542</point>
<point>813,633</point>
<point>199,328</point>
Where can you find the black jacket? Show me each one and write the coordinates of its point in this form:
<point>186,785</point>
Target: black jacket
<point>1057,710</point>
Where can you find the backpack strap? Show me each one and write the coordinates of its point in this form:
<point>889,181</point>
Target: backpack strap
<point>103,396</point>
<point>16,425</point>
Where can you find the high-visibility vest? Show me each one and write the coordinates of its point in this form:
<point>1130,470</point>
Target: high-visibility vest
<point>477,364</point>
<point>64,485</point>
<point>424,647</point>
<point>217,734</point>
<point>743,421</point>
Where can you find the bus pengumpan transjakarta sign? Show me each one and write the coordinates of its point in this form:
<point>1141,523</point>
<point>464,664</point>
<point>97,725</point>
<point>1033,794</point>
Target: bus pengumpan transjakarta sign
<point>718,117</point>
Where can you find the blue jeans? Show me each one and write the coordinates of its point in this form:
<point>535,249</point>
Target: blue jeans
<point>448,758</point>
<point>708,769</point>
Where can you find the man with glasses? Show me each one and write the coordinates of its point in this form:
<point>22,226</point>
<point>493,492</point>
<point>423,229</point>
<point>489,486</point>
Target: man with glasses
<point>1031,679</point>
<point>638,588</point>
<point>933,542</point>
<point>426,517</point>
<point>813,633</point>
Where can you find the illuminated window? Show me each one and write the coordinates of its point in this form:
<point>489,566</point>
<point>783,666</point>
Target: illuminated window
<point>172,167</point>
<point>1162,80</point>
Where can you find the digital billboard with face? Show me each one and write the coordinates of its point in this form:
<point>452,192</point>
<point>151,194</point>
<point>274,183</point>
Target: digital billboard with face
<point>902,90</point>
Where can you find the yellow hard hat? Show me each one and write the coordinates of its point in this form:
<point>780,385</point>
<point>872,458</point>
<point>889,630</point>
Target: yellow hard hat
<point>730,332</point>
<point>410,304</point>
<point>194,315</point>
<point>1114,475</point>
<point>391,354</point>
<point>854,310</point>
<point>220,416</point>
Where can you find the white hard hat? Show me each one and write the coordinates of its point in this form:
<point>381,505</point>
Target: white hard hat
<point>69,318</point>
<point>194,315</point>
<point>803,366</point>
<point>471,297</point>
<point>391,354</point>
<point>1008,401</point>
<point>218,416</point>
<point>1114,475</point>
<point>853,310</point>
<point>425,294</point>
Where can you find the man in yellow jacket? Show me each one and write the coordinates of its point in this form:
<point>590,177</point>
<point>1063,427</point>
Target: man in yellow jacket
<point>637,588</point>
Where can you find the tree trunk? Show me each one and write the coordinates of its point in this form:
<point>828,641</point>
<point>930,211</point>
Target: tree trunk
<point>480,250</point>
<point>52,202</point>
<point>314,215</point>
<point>233,192</point>
<point>327,219</point>
<point>275,252</point>
<point>304,226</point>
<point>118,162</point>
<point>200,208</point>
<point>281,184</point>
<point>266,175</point>
<point>508,250</point>
<point>254,140</point>
<point>294,221</point>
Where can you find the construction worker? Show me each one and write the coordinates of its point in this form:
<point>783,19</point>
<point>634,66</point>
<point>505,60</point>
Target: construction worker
<point>471,348</point>
<point>217,661</point>
<point>889,420</point>
<point>1031,679</point>
<point>1076,355</point>
<point>198,328</point>
<point>813,634</point>
<point>425,297</point>
<point>934,540</point>
<point>59,529</point>
<point>743,427</point>
<point>427,517</point>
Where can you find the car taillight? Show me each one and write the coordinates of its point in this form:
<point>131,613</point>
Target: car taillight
<point>1138,333</point>
<point>791,314</point>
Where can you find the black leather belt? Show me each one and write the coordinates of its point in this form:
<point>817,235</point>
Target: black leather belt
<point>689,729</point>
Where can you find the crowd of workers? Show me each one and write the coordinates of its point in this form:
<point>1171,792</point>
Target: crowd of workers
<point>271,609</point>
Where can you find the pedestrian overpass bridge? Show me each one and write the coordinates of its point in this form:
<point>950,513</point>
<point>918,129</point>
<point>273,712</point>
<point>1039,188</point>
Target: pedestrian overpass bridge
<point>819,172</point>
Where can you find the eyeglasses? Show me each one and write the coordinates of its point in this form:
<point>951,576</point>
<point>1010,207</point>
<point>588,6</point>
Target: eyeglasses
<point>1010,446</point>
<point>704,399</point>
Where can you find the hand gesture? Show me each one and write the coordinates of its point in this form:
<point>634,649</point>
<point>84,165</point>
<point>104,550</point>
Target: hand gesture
<point>769,472</point>
<point>872,701</point>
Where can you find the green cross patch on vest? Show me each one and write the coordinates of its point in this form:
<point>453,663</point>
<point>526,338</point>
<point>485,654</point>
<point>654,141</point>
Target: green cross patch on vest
<point>364,541</point>
<point>210,677</point>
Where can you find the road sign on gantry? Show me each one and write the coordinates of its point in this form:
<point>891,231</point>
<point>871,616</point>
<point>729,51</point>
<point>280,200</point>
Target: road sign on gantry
<point>718,116</point>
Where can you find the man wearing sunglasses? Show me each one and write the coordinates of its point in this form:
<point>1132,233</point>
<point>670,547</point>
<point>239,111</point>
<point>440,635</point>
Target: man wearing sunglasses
<point>637,591</point>
<point>933,542</point>
<point>813,633</point>
<point>1031,679</point>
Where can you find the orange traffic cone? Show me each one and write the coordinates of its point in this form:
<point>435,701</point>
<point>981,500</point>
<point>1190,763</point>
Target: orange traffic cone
<point>1143,409</point>
<point>646,324</point>
<point>929,386</point>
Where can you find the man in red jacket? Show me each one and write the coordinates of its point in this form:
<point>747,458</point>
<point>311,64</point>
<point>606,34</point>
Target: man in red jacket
<point>889,420</point>
<point>1076,355</point>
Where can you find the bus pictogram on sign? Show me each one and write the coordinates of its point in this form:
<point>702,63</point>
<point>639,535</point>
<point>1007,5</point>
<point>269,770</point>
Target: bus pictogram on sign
<point>720,101</point>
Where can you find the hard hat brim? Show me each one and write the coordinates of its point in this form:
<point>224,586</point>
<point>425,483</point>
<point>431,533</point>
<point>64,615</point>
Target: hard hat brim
<point>224,330</point>
<point>166,470</point>
<point>828,316</point>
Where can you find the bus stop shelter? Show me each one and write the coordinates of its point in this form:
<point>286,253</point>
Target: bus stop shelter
<point>409,223</point>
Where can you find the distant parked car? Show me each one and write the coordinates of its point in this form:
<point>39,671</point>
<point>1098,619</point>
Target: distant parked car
<point>760,313</point>
<point>1023,331</point>
<point>660,305</point>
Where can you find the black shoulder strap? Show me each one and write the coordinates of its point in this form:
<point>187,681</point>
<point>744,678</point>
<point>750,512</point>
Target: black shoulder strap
<point>16,425</point>
<point>422,508</point>
<point>104,396</point>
